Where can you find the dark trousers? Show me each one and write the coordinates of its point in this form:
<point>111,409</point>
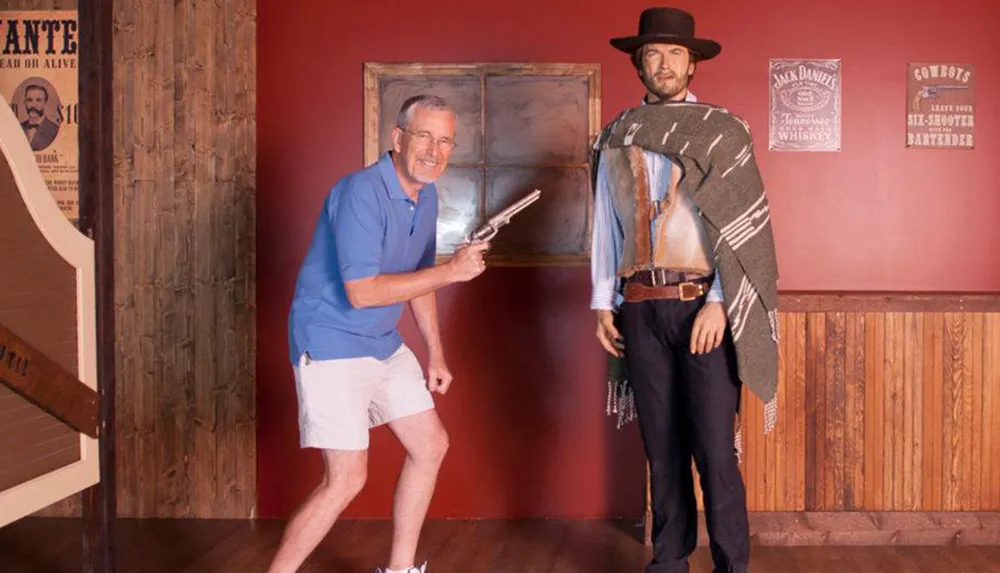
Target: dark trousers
<point>686,406</point>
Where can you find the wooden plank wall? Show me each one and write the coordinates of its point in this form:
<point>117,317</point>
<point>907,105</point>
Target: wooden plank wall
<point>185,161</point>
<point>887,403</point>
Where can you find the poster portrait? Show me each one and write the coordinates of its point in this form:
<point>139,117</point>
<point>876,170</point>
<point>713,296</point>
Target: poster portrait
<point>39,78</point>
<point>805,105</point>
<point>940,113</point>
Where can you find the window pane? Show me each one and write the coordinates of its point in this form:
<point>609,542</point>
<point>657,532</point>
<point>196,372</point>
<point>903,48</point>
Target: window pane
<point>537,120</point>
<point>461,92</point>
<point>556,224</point>
<point>459,192</point>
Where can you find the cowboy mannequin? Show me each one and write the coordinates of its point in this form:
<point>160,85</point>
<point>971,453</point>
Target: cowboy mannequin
<point>668,286</point>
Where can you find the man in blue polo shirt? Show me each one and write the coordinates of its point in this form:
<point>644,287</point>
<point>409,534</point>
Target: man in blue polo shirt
<point>373,251</point>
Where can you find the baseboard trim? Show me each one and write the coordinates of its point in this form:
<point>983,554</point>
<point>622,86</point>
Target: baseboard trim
<point>929,528</point>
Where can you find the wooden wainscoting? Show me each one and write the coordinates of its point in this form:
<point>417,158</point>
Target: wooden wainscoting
<point>887,403</point>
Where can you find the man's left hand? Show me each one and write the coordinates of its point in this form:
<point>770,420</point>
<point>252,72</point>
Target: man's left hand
<point>709,328</point>
<point>438,375</point>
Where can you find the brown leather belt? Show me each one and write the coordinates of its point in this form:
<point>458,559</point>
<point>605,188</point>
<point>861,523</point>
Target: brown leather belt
<point>684,290</point>
<point>660,277</point>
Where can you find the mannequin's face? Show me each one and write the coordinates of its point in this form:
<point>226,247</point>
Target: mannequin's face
<point>665,70</point>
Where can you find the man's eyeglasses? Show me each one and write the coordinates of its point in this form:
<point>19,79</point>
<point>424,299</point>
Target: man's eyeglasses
<point>425,138</point>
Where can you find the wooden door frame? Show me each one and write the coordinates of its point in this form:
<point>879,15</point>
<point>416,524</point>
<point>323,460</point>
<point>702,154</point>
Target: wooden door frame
<point>97,222</point>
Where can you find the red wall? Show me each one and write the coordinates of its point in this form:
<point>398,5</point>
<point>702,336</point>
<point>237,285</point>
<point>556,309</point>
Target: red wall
<point>526,415</point>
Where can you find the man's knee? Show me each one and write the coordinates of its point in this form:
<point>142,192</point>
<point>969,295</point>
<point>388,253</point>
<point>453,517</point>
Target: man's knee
<point>437,446</point>
<point>432,448</point>
<point>344,481</point>
<point>718,459</point>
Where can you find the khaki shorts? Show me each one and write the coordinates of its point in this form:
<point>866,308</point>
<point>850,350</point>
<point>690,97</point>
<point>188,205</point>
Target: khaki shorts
<point>340,400</point>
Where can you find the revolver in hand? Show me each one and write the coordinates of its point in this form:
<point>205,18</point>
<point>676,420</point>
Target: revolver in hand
<point>492,227</point>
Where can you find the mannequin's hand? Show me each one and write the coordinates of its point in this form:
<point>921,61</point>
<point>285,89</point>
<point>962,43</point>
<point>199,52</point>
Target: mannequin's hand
<point>709,328</point>
<point>607,334</point>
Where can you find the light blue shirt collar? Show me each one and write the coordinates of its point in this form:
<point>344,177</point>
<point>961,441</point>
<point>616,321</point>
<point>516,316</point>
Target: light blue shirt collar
<point>689,97</point>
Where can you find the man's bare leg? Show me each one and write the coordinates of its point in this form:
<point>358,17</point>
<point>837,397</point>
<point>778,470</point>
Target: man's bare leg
<point>344,477</point>
<point>425,440</point>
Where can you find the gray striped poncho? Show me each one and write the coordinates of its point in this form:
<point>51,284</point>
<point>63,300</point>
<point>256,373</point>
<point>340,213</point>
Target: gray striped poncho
<point>715,149</point>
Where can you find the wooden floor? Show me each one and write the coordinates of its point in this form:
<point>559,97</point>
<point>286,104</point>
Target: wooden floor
<point>51,545</point>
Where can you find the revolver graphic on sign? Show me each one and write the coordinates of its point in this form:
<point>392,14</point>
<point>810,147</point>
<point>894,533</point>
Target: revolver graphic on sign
<point>932,92</point>
<point>492,227</point>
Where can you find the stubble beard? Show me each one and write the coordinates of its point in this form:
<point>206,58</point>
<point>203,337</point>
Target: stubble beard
<point>668,89</point>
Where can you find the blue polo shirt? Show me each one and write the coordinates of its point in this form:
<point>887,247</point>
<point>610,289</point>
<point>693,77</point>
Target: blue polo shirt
<point>368,226</point>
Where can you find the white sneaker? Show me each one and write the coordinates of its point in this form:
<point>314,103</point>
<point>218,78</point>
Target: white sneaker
<point>421,569</point>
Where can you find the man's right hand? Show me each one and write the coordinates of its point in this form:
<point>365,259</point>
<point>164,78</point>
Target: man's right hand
<point>468,263</point>
<point>607,334</point>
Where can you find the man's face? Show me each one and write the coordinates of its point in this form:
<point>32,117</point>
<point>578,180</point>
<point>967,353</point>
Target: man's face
<point>34,103</point>
<point>665,69</point>
<point>426,143</point>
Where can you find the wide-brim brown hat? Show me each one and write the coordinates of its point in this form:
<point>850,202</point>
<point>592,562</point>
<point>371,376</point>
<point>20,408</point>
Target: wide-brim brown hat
<point>668,26</point>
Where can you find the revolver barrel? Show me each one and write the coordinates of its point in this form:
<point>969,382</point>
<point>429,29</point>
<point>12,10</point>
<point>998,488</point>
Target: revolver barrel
<point>490,229</point>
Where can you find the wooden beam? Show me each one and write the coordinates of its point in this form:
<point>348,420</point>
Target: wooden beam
<point>33,375</point>
<point>822,301</point>
<point>97,222</point>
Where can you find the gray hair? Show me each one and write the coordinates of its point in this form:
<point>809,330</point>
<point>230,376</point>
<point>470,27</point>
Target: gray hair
<point>422,100</point>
